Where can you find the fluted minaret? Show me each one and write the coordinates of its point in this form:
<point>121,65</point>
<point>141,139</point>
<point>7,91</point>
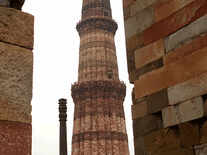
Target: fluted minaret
<point>99,123</point>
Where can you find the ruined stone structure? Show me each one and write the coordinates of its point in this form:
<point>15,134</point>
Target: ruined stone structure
<point>99,122</point>
<point>16,69</point>
<point>167,63</point>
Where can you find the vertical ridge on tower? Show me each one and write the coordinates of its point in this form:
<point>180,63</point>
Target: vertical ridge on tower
<point>99,123</point>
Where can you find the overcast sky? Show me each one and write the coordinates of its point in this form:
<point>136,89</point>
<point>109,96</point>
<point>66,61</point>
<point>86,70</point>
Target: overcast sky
<point>56,51</point>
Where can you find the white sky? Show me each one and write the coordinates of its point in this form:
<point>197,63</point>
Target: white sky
<point>56,51</point>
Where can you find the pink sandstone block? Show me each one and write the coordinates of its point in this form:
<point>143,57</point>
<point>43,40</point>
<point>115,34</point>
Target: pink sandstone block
<point>127,3</point>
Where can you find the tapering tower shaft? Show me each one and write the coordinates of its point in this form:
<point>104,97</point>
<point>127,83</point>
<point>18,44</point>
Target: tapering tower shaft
<point>99,122</point>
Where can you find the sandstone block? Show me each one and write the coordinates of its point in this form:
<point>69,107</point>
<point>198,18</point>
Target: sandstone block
<point>139,146</point>
<point>189,134</point>
<point>16,69</point>
<point>147,124</point>
<point>169,8</point>
<point>136,101</point>
<point>149,53</point>
<point>139,110</point>
<point>192,88</point>
<point>186,49</point>
<point>127,3</point>
<point>201,149</point>
<point>175,21</point>
<point>181,70</point>
<point>17,27</point>
<point>203,133</point>
<point>16,138</point>
<point>139,22</point>
<point>133,76</point>
<point>183,112</point>
<point>186,34</point>
<point>140,5</point>
<point>135,42</point>
<point>127,13</point>
<point>179,151</point>
<point>157,101</point>
<point>162,141</point>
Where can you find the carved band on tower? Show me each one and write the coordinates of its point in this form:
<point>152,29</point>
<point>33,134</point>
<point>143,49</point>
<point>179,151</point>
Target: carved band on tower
<point>99,123</point>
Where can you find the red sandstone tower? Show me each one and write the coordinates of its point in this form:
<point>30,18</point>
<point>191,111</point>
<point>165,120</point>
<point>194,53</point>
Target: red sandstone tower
<point>99,122</point>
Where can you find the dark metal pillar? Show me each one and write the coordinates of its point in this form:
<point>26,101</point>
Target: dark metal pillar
<point>63,119</point>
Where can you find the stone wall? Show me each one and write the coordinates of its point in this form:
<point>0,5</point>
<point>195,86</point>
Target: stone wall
<point>16,70</point>
<point>166,44</point>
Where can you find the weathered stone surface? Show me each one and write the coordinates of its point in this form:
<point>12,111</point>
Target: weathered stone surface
<point>183,112</point>
<point>203,133</point>
<point>16,69</point>
<point>189,134</point>
<point>140,5</point>
<point>147,124</point>
<point>15,138</point>
<point>130,60</point>
<point>139,22</point>
<point>186,49</point>
<point>175,21</point>
<point>127,13</point>
<point>139,146</point>
<point>179,151</point>
<point>157,101</point>
<point>5,3</point>
<point>127,3</point>
<point>186,34</point>
<point>192,88</point>
<point>181,70</point>
<point>133,76</point>
<point>149,53</point>
<point>139,110</point>
<point>169,8</point>
<point>136,101</point>
<point>162,141</point>
<point>135,42</point>
<point>16,27</point>
<point>201,149</point>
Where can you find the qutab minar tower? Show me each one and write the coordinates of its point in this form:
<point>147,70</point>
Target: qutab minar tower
<point>99,122</point>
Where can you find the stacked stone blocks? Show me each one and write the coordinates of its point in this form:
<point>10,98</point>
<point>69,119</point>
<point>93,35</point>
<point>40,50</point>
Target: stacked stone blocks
<point>166,55</point>
<point>16,69</point>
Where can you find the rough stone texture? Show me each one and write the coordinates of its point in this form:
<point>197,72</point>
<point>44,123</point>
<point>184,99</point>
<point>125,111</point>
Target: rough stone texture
<point>169,8</point>
<point>149,53</point>
<point>181,70</point>
<point>186,49</point>
<point>139,110</point>
<point>162,141</point>
<point>201,149</point>
<point>135,42</point>
<point>203,133</point>
<point>5,3</point>
<point>180,151</point>
<point>183,112</point>
<point>15,138</point>
<point>127,13</point>
<point>127,3</point>
<point>140,5</point>
<point>175,21</point>
<point>139,22</point>
<point>130,60</point>
<point>147,124</point>
<point>186,34</point>
<point>139,146</point>
<point>189,134</point>
<point>157,101</point>
<point>16,68</point>
<point>192,88</point>
<point>16,27</point>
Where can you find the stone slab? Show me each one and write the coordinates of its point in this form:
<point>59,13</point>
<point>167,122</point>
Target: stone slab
<point>161,141</point>
<point>130,60</point>
<point>186,49</point>
<point>140,5</point>
<point>157,101</point>
<point>179,151</point>
<point>183,112</point>
<point>127,13</point>
<point>192,88</point>
<point>186,34</point>
<point>139,22</point>
<point>127,3</point>
<point>201,149</point>
<point>172,74</point>
<point>189,134</point>
<point>149,53</point>
<point>15,138</point>
<point>16,70</point>
<point>139,147</point>
<point>169,8</point>
<point>16,27</point>
<point>175,21</point>
<point>139,110</point>
<point>203,133</point>
<point>147,124</point>
<point>135,42</point>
